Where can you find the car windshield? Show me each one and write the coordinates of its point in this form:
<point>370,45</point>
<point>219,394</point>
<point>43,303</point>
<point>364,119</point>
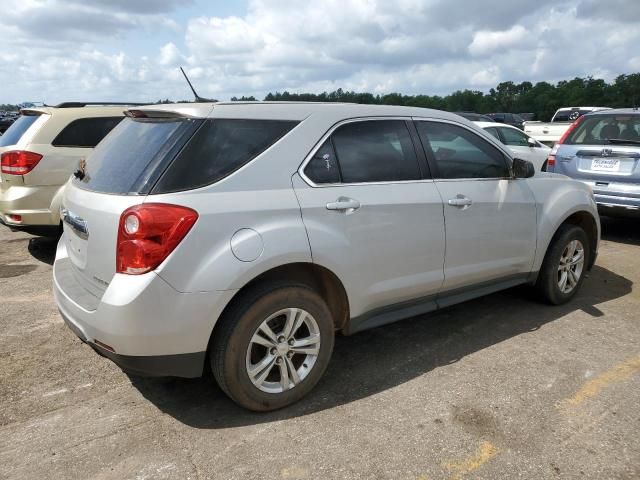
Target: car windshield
<point>605,130</point>
<point>17,129</point>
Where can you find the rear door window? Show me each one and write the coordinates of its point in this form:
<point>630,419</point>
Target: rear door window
<point>220,147</point>
<point>17,129</point>
<point>494,131</point>
<point>323,167</point>
<point>514,138</point>
<point>85,132</point>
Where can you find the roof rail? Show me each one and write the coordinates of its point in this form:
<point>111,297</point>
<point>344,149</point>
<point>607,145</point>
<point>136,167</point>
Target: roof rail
<point>84,104</point>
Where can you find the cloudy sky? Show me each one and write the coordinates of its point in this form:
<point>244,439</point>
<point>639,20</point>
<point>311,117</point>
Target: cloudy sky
<point>58,50</point>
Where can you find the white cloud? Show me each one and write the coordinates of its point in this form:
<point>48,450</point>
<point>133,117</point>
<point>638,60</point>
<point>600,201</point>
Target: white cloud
<point>58,50</point>
<point>487,42</point>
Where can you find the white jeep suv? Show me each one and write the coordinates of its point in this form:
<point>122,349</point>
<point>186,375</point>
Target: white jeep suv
<point>242,236</point>
<point>39,152</point>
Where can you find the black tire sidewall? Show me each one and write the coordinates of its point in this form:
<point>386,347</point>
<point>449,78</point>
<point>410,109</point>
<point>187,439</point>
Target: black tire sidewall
<point>548,275</point>
<point>245,323</point>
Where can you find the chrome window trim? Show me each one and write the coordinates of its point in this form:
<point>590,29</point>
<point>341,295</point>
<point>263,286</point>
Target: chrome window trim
<point>489,139</point>
<point>329,132</point>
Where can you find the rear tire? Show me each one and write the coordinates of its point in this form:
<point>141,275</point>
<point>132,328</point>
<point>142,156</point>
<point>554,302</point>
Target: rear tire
<point>273,345</point>
<point>565,265</point>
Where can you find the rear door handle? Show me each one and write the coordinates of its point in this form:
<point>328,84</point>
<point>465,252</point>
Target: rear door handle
<point>460,201</point>
<point>344,204</point>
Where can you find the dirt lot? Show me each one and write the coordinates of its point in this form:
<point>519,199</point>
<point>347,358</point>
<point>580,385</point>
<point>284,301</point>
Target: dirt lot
<point>500,387</point>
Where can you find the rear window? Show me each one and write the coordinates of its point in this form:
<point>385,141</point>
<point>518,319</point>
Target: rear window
<point>606,129</point>
<point>85,132</point>
<point>220,147</point>
<point>132,156</point>
<point>17,129</point>
<point>569,115</point>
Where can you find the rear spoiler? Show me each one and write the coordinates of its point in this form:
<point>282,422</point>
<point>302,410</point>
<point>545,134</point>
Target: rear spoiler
<point>33,111</point>
<point>155,114</point>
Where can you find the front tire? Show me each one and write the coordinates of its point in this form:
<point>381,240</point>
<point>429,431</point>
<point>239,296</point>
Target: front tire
<point>272,347</point>
<point>565,265</point>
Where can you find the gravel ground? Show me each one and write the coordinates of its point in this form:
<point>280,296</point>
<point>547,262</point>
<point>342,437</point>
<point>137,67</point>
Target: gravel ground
<point>500,387</point>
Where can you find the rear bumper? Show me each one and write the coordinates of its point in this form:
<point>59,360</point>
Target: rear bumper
<point>617,205</point>
<point>189,365</point>
<point>31,203</point>
<point>140,322</point>
<point>37,230</point>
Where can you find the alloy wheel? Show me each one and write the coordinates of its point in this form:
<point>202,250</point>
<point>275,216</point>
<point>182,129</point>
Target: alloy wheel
<point>283,350</point>
<point>571,266</point>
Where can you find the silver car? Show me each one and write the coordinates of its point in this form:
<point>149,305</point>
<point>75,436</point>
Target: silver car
<point>242,236</point>
<point>602,149</point>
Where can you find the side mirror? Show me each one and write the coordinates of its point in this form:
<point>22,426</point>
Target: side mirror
<point>523,168</point>
<point>532,142</point>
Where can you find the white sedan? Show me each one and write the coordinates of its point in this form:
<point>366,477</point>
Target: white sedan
<point>522,145</point>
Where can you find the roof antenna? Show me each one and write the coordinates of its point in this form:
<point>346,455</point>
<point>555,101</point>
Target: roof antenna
<point>198,99</point>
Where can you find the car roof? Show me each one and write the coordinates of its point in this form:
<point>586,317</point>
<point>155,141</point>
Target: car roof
<point>609,111</point>
<point>595,109</point>
<point>293,110</point>
<point>496,125</point>
<point>490,124</point>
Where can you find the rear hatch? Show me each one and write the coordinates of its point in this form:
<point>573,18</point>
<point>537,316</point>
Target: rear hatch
<point>603,148</point>
<point>118,174</point>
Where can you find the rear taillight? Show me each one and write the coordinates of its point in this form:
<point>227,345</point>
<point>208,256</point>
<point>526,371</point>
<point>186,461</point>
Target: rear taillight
<point>19,162</point>
<point>148,233</point>
<point>551,160</point>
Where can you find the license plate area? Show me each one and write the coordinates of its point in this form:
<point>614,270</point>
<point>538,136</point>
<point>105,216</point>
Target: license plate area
<point>605,165</point>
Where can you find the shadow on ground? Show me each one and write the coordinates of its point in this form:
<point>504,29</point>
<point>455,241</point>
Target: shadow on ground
<point>43,249</point>
<point>621,230</point>
<point>376,360</point>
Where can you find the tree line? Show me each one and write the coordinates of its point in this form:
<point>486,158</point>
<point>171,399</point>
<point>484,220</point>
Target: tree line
<point>542,99</point>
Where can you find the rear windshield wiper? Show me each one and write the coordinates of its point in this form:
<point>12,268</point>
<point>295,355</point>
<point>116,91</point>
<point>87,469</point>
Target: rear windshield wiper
<point>623,141</point>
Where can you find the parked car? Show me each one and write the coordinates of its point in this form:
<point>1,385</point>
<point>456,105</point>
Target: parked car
<point>245,235</point>
<point>512,119</point>
<point>474,117</point>
<point>602,149</point>
<point>38,154</point>
<point>528,116</point>
<point>549,133</point>
<point>521,145</point>
<point>5,122</point>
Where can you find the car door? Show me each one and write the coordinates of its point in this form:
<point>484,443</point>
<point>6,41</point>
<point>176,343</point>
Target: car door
<point>372,214</point>
<point>490,216</point>
<point>518,143</point>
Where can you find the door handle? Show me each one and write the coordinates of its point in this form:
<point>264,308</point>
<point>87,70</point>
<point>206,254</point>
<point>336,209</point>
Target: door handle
<point>344,204</point>
<point>460,201</point>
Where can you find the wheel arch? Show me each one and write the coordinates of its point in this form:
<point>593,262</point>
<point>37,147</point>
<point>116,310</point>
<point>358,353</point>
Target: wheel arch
<point>319,278</point>
<point>585,220</point>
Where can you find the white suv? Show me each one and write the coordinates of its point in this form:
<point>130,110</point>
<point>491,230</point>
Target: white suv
<point>241,236</point>
<point>39,152</point>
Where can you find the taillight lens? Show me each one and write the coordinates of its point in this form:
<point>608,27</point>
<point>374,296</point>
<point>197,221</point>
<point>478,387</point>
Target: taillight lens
<point>148,233</point>
<point>551,160</point>
<point>19,162</point>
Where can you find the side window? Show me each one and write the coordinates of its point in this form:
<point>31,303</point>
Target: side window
<point>323,167</point>
<point>219,148</point>
<point>459,153</point>
<point>494,131</point>
<point>514,137</point>
<point>85,132</point>
<point>375,151</point>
